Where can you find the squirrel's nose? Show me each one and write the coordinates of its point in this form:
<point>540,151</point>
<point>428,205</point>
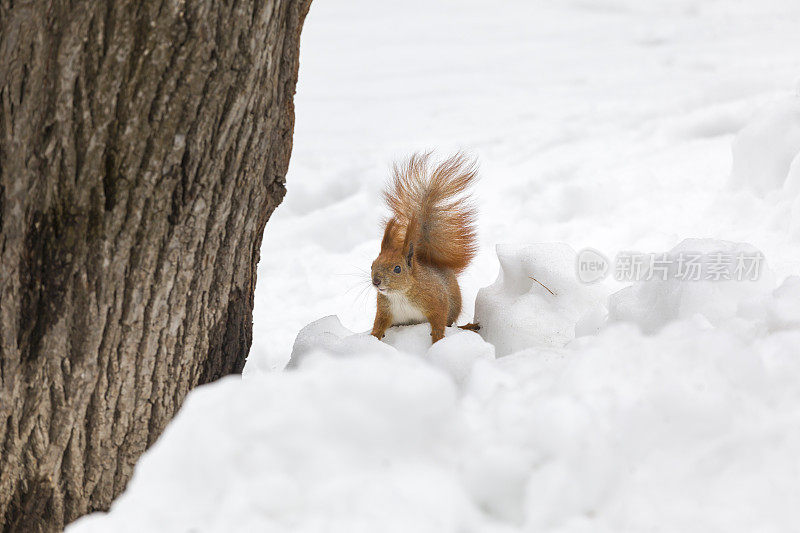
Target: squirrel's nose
<point>376,280</point>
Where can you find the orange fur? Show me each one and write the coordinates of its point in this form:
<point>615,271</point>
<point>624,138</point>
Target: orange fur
<point>431,211</point>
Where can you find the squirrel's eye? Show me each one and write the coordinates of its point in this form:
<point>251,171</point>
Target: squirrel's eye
<point>397,269</point>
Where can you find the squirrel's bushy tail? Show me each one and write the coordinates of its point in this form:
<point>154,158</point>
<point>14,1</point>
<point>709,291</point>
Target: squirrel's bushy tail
<point>431,209</point>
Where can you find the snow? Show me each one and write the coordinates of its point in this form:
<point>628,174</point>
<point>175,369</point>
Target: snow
<point>654,303</point>
<point>537,299</point>
<point>766,152</point>
<point>662,127</point>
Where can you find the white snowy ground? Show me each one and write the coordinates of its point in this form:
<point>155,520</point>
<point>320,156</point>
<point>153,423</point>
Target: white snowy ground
<point>621,125</point>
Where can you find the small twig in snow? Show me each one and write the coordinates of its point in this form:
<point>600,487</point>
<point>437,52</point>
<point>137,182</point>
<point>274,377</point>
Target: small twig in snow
<point>543,285</point>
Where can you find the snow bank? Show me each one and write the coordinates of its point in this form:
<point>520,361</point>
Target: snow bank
<point>516,312</point>
<point>673,292</point>
<point>766,152</point>
<point>329,335</point>
<point>693,428</point>
<point>778,311</point>
<point>355,444</point>
<point>455,354</point>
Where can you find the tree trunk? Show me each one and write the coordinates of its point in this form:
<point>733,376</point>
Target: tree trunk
<point>143,146</point>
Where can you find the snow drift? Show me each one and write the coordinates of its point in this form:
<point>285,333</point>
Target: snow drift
<point>695,424</point>
<point>766,152</point>
<point>654,303</point>
<point>537,299</point>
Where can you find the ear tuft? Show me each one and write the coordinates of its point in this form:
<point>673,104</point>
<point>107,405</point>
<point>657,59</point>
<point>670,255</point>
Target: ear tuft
<point>388,234</point>
<point>410,253</point>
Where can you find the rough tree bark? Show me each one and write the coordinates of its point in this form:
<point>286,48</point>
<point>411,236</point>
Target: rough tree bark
<point>143,146</point>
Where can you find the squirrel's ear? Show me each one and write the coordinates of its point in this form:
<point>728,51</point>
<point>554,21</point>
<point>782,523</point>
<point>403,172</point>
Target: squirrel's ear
<point>388,234</point>
<point>412,232</point>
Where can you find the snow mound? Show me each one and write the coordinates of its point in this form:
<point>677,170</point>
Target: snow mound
<point>778,311</point>
<point>330,336</point>
<point>783,310</point>
<point>458,353</point>
<point>516,312</point>
<point>691,280</point>
<point>766,152</point>
<point>455,354</point>
<point>309,451</point>
<point>689,429</point>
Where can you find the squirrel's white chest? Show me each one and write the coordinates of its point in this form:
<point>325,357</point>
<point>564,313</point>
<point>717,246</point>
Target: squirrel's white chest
<point>403,311</point>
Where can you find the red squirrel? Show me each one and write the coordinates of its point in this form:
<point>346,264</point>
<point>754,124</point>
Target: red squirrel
<point>428,240</point>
